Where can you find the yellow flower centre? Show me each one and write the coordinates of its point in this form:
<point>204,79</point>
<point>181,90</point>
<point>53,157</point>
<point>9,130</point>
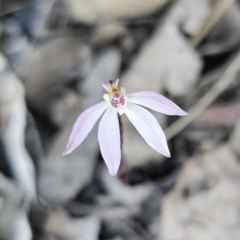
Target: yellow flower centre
<point>117,99</point>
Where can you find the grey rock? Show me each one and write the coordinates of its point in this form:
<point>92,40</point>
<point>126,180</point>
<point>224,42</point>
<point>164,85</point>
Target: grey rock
<point>205,201</point>
<point>104,33</point>
<point>191,15</point>
<point>14,41</point>
<point>12,125</point>
<point>182,63</point>
<point>1,29</point>
<point>46,68</point>
<point>68,228</point>
<point>107,10</point>
<point>61,103</point>
<point>164,56</point>
<point>116,238</point>
<point>123,230</point>
<point>13,220</point>
<point>3,63</point>
<point>123,193</point>
<point>235,139</point>
<point>12,6</point>
<point>49,63</point>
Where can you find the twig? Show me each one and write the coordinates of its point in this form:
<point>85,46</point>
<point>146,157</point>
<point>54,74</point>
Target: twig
<point>224,81</point>
<point>217,12</point>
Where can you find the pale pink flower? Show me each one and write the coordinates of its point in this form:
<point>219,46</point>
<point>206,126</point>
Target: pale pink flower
<point>118,102</point>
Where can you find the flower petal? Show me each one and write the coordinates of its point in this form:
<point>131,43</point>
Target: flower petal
<point>149,128</point>
<point>109,140</point>
<point>156,102</point>
<point>84,125</point>
<point>110,84</point>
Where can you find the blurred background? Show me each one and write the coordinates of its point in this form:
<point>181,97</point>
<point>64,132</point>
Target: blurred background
<point>54,56</point>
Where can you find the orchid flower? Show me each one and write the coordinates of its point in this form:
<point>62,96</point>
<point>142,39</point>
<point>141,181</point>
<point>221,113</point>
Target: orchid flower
<point>118,102</point>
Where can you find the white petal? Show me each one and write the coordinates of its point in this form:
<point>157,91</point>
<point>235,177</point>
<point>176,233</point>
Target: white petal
<point>156,102</point>
<point>106,98</point>
<point>149,128</point>
<point>109,140</point>
<point>84,125</point>
<point>124,92</point>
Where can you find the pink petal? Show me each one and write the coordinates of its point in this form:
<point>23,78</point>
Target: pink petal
<point>110,84</point>
<point>84,125</point>
<point>109,140</point>
<point>156,102</point>
<point>149,128</point>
